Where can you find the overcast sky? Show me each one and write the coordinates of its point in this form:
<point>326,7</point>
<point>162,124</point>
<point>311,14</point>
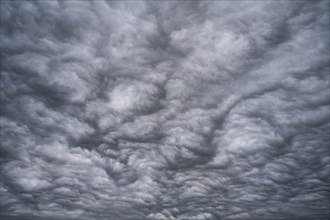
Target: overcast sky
<point>165,110</point>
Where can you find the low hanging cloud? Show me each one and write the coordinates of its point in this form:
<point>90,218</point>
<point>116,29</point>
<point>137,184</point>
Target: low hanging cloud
<point>165,110</point>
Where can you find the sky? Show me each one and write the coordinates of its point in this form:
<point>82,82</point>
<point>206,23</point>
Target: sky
<point>165,110</point>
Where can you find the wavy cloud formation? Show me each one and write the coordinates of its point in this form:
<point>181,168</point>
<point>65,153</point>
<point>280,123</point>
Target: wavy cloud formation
<point>165,110</point>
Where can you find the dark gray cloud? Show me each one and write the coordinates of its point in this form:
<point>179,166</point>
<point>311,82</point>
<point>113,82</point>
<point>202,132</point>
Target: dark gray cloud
<point>165,110</point>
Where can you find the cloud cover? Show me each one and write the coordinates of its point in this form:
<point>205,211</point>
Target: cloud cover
<point>165,110</point>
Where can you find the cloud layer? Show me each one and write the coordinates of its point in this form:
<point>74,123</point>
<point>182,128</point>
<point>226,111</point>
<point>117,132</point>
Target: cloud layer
<point>165,110</point>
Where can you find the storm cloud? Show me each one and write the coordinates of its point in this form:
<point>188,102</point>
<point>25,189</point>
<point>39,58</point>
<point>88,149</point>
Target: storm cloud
<point>165,110</point>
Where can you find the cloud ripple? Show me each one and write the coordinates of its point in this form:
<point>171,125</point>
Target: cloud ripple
<point>165,110</point>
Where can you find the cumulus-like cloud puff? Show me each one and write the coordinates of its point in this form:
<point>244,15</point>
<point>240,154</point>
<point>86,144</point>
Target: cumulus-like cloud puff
<point>165,110</point>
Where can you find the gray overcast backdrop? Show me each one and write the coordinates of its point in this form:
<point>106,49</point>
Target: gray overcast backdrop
<point>165,110</point>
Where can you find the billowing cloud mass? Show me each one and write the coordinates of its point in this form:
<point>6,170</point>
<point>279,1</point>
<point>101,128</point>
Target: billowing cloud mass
<point>165,110</point>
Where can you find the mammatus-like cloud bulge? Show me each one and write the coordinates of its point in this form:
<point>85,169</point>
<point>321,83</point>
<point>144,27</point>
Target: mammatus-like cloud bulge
<point>165,110</point>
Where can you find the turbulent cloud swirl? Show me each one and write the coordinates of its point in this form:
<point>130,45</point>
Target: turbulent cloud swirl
<point>165,110</point>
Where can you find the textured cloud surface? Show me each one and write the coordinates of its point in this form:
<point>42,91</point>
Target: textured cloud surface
<point>165,110</point>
